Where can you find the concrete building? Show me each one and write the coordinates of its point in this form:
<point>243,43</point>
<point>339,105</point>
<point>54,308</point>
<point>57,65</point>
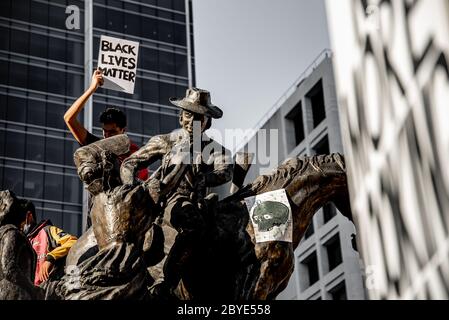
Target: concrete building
<point>393,98</point>
<point>305,121</point>
<point>45,66</point>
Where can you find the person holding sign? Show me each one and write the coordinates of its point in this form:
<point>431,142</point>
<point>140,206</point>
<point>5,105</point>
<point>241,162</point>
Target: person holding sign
<point>113,122</point>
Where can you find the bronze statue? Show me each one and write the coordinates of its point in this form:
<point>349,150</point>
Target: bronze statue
<point>208,166</point>
<point>166,238</point>
<point>17,257</point>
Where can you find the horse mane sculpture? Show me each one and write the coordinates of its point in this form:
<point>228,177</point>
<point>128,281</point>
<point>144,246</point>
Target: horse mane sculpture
<point>228,265</point>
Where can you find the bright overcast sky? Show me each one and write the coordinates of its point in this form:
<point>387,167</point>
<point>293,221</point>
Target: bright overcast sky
<point>249,52</point>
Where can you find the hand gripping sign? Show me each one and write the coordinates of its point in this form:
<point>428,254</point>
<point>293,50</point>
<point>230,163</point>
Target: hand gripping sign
<point>271,216</point>
<point>117,59</point>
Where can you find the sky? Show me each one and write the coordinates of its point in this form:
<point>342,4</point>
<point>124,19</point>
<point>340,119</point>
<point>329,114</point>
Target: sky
<point>249,52</point>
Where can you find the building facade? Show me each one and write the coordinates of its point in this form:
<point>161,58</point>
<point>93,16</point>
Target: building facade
<point>392,76</point>
<point>306,122</point>
<point>45,64</point>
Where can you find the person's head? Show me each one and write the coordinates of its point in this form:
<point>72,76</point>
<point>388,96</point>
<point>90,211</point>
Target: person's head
<point>196,106</point>
<point>187,118</point>
<point>113,122</point>
<point>28,216</point>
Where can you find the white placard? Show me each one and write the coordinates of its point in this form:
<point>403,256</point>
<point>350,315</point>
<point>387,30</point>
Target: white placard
<point>117,59</point>
<point>271,216</point>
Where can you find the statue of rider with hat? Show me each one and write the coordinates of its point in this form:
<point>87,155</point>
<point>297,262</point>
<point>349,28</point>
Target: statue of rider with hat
<point>205,163</point>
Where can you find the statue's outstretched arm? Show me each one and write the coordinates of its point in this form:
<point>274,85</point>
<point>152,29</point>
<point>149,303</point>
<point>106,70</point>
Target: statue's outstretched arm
<point>155,148</point>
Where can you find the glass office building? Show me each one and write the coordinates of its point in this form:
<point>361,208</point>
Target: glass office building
<point>45,66</point>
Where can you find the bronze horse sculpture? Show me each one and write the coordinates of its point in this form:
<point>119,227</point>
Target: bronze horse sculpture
<point>229,264</point>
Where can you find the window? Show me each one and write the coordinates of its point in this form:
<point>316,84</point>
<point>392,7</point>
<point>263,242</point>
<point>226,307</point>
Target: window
<point>4,72</point>
<point>20,10</point>
<point>20,41</point>
<point>70,147</point>
<point>5,9</point>
<point>322,147</point>
<point>132,24</point>
<point>16,109</point>
<point>99,20</point>
<point>33,184</point>
<point>134,118</point>
<point>18,75</point>
<point>181,65</point>
<point>13,180</point>
<point>166,62</point>
<point>53,212</point>
<point>35,147</point>
<point>1,165</point>
<point>295,122</point>
<point>165,31</point>
<point>38,78</point>
<point>57,17</point>
<point>2,145</point>
<point>166,90</point>
<point>180,34</point>
<point>148,59</point>
<point>180,91</point>
<point>179,5</point>
<point>55,116</point>
<point>153,2</point>
<point>311,264</point>
<point>114,20</point>
<point>75,52</point>
<point>39,13</point>
<point>354,242</point>
<point>165,3</point>
<point>316,98</point>
<point>3,103</point>
<point>151,124</point>
<point>39,45</point>
<point>15,145</point>
<point>168,123</point>
<point>53,188</point>
<point>53,150</point>
<point>339,292</point>
<point>72,189</point>
<point>74,85</point>
<point>333,250</point>
<point>36,112</point>
<point>4,37</point>
<point>149,28</point>
<point>329,211</point>
<point>310,230</point>
<point>72,223</point>
<point>57,49</point>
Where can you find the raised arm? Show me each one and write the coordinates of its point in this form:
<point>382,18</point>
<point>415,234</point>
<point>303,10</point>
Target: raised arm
<point>70,117</point>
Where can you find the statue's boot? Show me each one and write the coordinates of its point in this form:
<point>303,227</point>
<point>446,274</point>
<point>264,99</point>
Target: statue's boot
<point>176,261</point>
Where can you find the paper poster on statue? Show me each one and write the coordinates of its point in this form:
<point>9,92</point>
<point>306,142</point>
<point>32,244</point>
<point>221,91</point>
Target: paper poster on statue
<point>117,59</point>
<point>271,216</point>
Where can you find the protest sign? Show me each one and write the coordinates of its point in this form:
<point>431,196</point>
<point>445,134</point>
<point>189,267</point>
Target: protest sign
<point>117,59</point>
<point>271,216</point>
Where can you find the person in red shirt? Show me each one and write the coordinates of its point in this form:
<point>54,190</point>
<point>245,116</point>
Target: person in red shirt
<point>113,123</point>
<point>50,243</point>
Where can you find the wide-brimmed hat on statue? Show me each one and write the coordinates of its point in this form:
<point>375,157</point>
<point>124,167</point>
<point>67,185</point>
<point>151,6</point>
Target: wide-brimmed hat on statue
<point>198,101</point>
